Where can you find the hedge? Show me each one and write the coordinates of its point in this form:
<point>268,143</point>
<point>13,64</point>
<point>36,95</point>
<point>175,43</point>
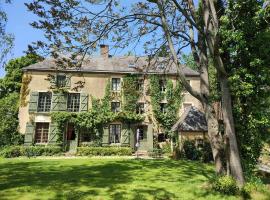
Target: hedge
<point>29,151</point>
<point>104,151</point>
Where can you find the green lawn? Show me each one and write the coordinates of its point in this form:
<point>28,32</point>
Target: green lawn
<point>107,178</point>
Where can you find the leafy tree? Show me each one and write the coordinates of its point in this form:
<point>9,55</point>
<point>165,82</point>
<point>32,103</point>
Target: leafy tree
<point>246,40</point>
<point>9,99</point>
<point>9,120</point>
<point>12,80</point>
<point>6,39</point>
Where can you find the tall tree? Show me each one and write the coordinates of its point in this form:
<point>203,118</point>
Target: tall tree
<point>245,45</point>
<point>9,99</point>
<point>6,39</point>
<point>75,27</point>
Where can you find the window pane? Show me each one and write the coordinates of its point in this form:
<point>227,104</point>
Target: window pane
<point>115,106</point>
<point>73,102</point>
<point>140,108</point>
<point>42,132</point>
<point>115,84</point>
<point>61,80</point>
<point>115,133</point>
<point>44,102</point>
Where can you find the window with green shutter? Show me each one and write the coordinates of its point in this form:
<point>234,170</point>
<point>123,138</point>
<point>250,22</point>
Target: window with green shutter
<point>29,133</point>
<point>84,102</point>
<point>33,102</point>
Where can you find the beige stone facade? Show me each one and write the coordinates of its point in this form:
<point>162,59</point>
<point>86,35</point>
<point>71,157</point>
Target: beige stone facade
<point>95,84</point>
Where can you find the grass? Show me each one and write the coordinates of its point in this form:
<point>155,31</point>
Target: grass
<point>100,179</point>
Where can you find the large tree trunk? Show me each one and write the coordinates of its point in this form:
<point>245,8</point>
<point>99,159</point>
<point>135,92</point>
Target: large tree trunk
<point>216,140</point>
<point>235,162</point>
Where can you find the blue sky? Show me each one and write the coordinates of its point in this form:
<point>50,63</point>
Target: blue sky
<point>19,20</point>
<point>18,24</point>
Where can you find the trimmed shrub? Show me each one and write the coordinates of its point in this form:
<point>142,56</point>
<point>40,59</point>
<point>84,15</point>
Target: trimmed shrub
<point>30,151</point>
<point>225,185</point>
<point>104,151</point>
<point>191,152</point>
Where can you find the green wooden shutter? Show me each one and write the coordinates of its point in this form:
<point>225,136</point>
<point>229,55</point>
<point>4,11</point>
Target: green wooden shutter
<point>125,136</point>
<point>62,102</point>
<point>59,102</point>
<point>84,102</point>
<point>105,136</point>
<point>53,137</point>
<point>33,102</point>
<point>29,134</point>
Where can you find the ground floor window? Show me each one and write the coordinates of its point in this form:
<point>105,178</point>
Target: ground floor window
<point>42,132</point>
<point>115,133</point>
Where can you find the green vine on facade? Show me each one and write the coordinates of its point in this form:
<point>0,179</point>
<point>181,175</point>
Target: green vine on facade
<point>100,113</point>
<point>173,98</point>
<point>26,79</point>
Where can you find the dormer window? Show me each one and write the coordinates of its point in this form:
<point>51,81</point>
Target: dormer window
<point>131,65</point>
<point>61,80</point>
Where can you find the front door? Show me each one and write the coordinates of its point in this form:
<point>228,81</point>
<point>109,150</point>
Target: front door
<point>141,138</point>
<point>71,138</point>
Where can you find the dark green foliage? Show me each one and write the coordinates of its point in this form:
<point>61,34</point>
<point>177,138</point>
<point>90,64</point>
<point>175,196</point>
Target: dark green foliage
<point>104,151</point>
<point>245,45</point>
<point>29,151</point>
<point>9,99</point>
<point>9,120</point>
<point>207,155</point>
<point>130,92</point>
<point>191,152</point>
<point>173,97</point>
<point>12,80</point>
<point>225,185</point>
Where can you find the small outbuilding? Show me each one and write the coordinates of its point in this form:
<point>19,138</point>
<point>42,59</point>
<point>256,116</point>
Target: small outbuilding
<point>192,125</point>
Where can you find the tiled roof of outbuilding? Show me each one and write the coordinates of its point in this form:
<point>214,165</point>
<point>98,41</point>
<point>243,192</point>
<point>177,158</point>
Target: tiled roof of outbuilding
<point>191,120</point>
<point>117,64</point>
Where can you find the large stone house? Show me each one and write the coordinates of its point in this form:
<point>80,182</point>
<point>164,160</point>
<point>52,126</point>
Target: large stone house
<point>39,99</point>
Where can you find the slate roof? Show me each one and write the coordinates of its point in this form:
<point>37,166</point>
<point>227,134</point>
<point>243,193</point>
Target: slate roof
<point>191,120</point>
<point>116,64</point>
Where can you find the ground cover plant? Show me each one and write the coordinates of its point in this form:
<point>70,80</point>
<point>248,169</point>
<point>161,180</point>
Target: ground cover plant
<point>101,178</point>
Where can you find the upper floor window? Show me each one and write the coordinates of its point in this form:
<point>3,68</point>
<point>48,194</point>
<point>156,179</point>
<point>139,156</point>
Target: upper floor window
<point>163,107</point>
<point>42,132</point>
<point>61,80</point>
<point>162,85</point>
<point>44,102</point>
<point>140,108</point>
<point>115,133</point>
<point>116,84</point>
<point>115,106</point>
<point>140,85</point>
<point>73,102</point>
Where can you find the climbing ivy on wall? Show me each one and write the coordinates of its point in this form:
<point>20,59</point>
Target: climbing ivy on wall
<point>100,114</point>
<point>130,92</point>
<point>172,96</point>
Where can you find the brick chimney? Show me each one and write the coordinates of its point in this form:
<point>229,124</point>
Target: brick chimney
<point>104,50</point>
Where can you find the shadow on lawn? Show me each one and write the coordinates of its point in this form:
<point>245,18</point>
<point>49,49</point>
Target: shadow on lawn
<point>112,177</point>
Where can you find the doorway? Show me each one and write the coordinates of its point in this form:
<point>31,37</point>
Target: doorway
<point>71,138</point>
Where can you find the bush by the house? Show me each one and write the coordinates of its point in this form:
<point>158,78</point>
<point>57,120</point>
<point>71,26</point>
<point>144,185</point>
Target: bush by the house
<point>193,152</point>
<point>190,150</point>
<point>30,151</point>
<point>104,151</point>
<point>225,185</point>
